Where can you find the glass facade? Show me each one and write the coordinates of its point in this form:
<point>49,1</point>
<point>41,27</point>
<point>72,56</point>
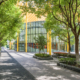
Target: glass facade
<point>22,38</point>
<point>58,45</point>
<point>34,29</point>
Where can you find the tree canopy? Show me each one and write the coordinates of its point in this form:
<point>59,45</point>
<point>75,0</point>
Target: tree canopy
<point>10,1</point>
<point>10,21</point>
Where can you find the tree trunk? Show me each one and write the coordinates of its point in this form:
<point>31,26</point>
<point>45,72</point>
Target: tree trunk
<point>76,48</point>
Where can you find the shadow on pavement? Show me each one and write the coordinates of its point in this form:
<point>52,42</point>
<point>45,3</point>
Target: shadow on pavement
<point>10,69</point>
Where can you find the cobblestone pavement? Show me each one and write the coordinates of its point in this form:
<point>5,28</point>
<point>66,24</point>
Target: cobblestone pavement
<point>10,69</point>
<point>44,69</point>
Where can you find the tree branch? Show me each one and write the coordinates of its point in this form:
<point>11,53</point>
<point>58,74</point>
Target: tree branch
<point>62,39</point>
<point>62,9</point>
<point>2,1</point>
<point>58,19</point>
<point>76,7</point>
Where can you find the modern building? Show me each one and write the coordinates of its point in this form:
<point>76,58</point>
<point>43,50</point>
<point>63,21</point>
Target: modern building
<point>33,27</point>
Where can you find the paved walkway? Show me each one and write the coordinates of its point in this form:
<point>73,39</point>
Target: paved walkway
<point>22,66</point>
<point>10,69</point>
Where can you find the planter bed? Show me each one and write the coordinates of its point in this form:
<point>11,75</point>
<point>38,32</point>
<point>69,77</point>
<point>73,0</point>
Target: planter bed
<point>64,54</point>
<point>43,58</point>
<point>77,69</point>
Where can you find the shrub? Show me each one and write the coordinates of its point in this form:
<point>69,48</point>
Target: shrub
<point>42,55</point>
<point>70,61</point>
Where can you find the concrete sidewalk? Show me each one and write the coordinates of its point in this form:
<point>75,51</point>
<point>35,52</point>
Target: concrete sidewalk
<point>43,69</point>
<point>10,69</point>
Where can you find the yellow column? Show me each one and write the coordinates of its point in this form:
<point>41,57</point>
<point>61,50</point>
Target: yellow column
<point>26,34</point>
<point>17,33</point>
<point>50,42</point>
<point>47,41</point>
<point>67,42</point>
<point>10,45</point>
<point>67,47</point>
<point>17,44</point>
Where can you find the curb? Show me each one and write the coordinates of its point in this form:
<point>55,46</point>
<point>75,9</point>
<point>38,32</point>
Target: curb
<point>73,68</point>
<point>40,58</point>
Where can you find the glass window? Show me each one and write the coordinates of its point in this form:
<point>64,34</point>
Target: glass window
<point>43,30</point>
<point>31,38</point>
<point>33,30</point>
<point>56,38</point>
<point>30,24</point>
<point>40,29</point>
<point>27,25</point>
<point>29,31</point>
<point>41,24</point>
<point>37,24</point>
<point>33,24</point>
<point>36,30</point>
<point>28,38</point>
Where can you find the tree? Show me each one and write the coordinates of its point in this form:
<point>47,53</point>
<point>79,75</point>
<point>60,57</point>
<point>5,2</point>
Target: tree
<point>59,29</point>
<point>41,41</point>
<point>68,9</point>
<point>10,1</point>
<point>10,21</point>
